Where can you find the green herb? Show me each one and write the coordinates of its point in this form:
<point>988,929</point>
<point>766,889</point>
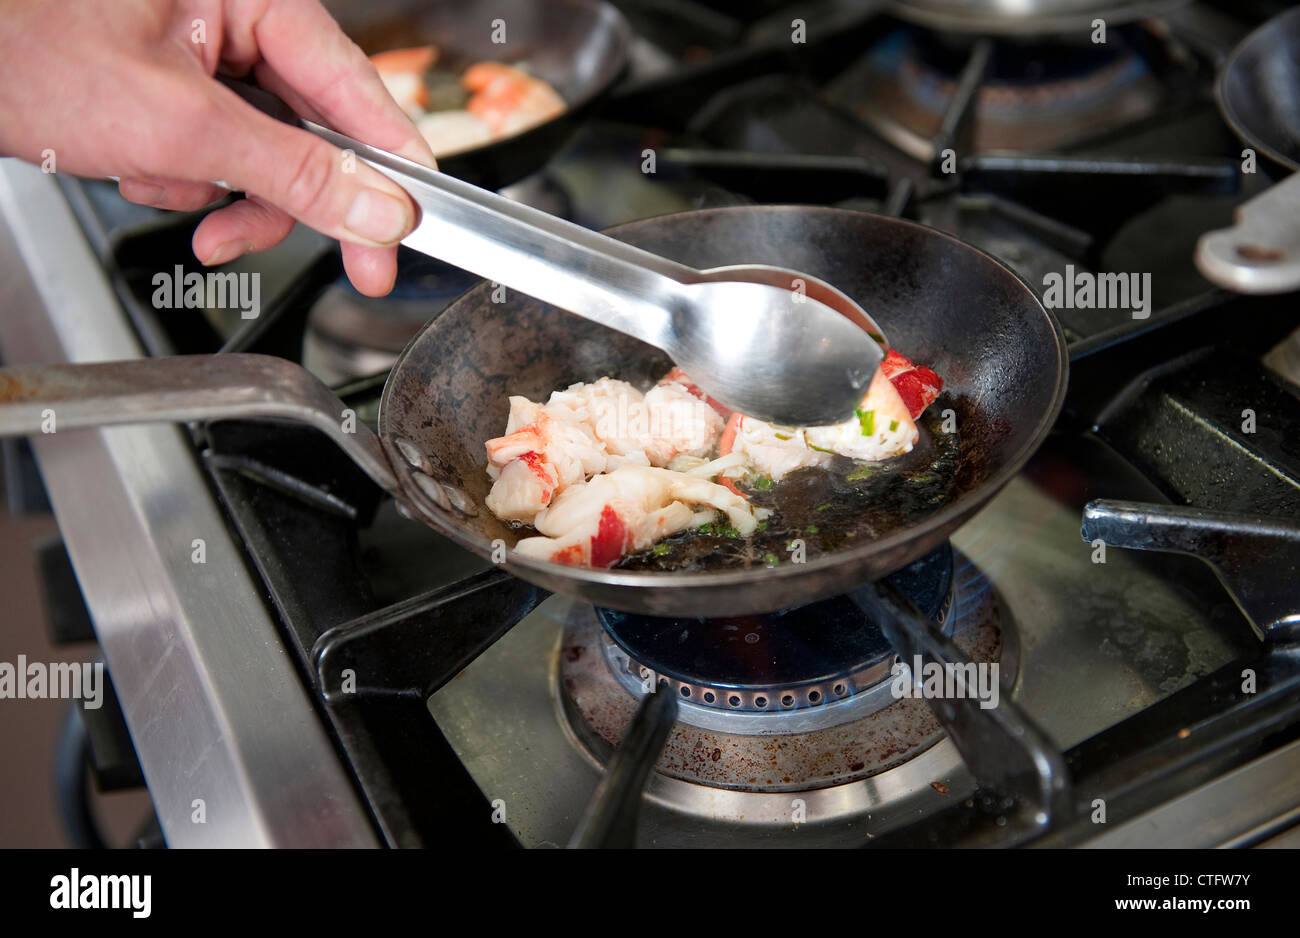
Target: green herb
<point>862,472</point>
<point>726,531</point>
<point>867,419</point>
<point>770,559</point>
<point>762,526</point>
<point>893,425</point>
<point>762,483</point>
<point>706,528</point>
<point>813,529</point>
<point>783,436</point>
<point>821,449</point>
<point>661,549</point>
<point>822,507</point>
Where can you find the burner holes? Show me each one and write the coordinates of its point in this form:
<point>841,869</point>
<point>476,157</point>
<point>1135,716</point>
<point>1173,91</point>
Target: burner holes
<point>663,681</point>
<point>814,696</point>
<point>686,691</point>
<point>708,696</point>
<point>787,701</point>
<point>760,703</point>
<point>645,673</point>
<point>840,690</point>
<point>734,700</point>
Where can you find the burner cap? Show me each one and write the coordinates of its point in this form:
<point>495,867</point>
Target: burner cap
<point>804,657</point>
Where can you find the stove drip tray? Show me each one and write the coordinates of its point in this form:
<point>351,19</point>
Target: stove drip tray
<point>788,701</point>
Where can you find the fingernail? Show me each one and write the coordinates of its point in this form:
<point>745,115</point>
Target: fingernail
<point>378,217</point>
<point>228,252</point>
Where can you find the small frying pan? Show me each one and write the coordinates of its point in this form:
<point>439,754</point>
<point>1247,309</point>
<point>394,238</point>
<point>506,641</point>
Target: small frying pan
<point>1259,96</point>
<point>579,47</point>
<point>947,304</point>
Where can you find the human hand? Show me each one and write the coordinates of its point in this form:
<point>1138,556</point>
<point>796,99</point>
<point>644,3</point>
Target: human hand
<point>125,89</point>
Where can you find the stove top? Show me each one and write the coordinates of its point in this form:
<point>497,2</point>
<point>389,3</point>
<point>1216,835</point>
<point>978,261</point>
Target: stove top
<point>442,701</point>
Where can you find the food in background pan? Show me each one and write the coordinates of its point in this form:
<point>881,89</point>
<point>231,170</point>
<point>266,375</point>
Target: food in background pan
<point>607,474</point>
<point>489,101</point>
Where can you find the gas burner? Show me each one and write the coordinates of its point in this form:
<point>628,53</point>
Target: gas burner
<point>826,657</point>
<point>1036,96</point>
<point>806,706</point>
<point>1026,17</point>
<point>352,336</point>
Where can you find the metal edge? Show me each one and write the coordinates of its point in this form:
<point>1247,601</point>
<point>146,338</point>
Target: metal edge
<point>214,705</point>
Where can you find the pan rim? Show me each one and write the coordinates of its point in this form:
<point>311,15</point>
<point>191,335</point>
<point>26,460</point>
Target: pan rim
<point>1231,117</point>
<point>957,511</point>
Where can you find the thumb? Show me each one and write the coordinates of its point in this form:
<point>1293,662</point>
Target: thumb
<point>320,185</point>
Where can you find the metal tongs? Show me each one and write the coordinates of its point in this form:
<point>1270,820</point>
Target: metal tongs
<point>772,343</point>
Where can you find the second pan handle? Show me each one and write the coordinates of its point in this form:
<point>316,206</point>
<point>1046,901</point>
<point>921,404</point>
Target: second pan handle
<point>37,399</point>
<point>1261,252</point>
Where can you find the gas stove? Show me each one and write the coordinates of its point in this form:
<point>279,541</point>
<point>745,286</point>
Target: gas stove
<point>334,674</point>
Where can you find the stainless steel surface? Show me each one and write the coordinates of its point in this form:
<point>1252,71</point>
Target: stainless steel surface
<point>1256,557</point>
<point>1026,17</point>
<point>777,344</point>
<point>216,709</point>
<point>1098,643</point>
<point>1243,808</point>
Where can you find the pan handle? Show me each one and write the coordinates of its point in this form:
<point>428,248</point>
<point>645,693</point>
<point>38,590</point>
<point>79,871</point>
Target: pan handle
<point>1261,252</point>
<point>45,399</point>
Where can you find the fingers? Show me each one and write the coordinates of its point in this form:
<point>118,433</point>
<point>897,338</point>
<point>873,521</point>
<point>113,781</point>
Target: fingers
<point>178,195</point>
<point>245,226</point>
<point>298,173</point>
<point>253,225</point>
<point>303,56</point>
<point>373,271</point>
<point>298,52</point>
